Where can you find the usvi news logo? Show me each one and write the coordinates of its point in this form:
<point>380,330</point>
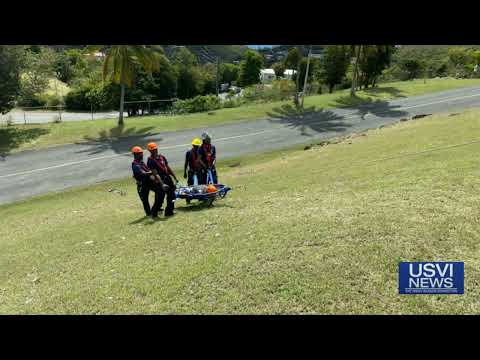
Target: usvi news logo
<point>431,278</point>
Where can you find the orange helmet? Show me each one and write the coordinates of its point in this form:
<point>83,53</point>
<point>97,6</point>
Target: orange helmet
<point>137,150</point>
<point>152,146</point>
<point>211,188</point>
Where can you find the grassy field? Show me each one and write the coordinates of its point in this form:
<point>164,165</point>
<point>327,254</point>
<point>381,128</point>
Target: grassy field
<point>319,231</point>
<point>38,136</point>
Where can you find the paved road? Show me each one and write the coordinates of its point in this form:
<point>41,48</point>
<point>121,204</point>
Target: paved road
<point>36,172</point>
<point>42,117</point>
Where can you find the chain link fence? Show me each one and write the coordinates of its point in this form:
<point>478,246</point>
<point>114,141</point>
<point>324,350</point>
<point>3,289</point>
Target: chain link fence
<point>57,114</point>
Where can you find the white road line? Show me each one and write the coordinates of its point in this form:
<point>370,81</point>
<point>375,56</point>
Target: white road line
<point>123,154</point>
<point>217,140</point>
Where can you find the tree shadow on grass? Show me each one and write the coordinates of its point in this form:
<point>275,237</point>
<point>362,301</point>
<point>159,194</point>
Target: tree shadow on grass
<point>119,139</point>
<point>391,91</point>
<point>362,107</point>
<point>12,137</point>
<point>318,120</point>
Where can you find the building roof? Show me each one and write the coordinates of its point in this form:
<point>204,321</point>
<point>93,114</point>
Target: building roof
<point>267,71</point>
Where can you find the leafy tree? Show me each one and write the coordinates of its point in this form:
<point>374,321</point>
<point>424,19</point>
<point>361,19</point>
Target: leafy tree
<point>121,64</point>
<point>279,69</point>
<point>293,58</point>
<point>250,68</point>
<point>459,56</point>
<point>412,66</point>
<point>62,67</point>
<point>73,66</point>
<point>10,67</point>
<point>229,73</point>
<point>187,73</point>
<point>334,65</point>
<point>208,82</point>
<point>37,71</point>
<point>476,57</point>
<point>374,59</point>
<point>158,85</point>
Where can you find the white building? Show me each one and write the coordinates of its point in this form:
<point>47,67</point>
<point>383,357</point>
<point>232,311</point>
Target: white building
<point>288,74</point>
<point>267,75</point>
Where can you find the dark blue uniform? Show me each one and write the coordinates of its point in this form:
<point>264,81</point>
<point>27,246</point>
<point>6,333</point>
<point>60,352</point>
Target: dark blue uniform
<point>160,164</point>
<point>208,154</point>
<point>144,185</point>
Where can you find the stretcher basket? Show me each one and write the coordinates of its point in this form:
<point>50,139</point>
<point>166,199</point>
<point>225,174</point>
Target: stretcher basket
<point>187,193</point>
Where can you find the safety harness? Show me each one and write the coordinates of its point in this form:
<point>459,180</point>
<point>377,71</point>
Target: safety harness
<point>193,159</point>
<point>143,166</point>
<point>207,148</point>
<point>161,162</point>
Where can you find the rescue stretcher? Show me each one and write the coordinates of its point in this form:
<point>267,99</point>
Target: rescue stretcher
<point>190,193</point>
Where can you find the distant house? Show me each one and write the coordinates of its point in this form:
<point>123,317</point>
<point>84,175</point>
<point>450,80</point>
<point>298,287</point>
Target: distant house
<point>267,75</point>
<point>98,55</point>
<point>288,74</point>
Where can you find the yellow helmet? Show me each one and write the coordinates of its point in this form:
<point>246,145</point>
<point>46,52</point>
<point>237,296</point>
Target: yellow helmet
<point>196,142</point>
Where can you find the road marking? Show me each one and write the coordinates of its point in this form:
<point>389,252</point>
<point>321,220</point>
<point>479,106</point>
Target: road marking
<point>217,140</point>
<point>123,154</point>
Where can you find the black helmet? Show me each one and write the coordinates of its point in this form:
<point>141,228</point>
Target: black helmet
<point>205,136</point>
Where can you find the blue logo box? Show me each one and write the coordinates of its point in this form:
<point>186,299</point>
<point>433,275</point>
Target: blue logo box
<point>431,278</point>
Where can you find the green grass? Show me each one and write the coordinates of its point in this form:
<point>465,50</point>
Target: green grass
<point>317,231</point>
<point>40,136</point>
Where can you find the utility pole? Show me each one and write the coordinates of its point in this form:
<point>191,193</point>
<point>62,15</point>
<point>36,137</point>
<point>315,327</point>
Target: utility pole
<point>297,85</point>
<point>306,75</point>
<point>216,76</point>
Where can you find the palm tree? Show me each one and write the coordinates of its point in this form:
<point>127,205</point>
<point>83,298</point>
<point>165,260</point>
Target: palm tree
<point>121,62</point>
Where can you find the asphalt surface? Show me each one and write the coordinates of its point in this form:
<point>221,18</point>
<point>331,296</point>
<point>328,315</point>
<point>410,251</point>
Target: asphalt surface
<point>30,173</point>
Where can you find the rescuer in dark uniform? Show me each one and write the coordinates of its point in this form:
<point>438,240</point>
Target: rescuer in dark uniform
<point>145,182</point>
<point>208,157</point>
<point>162,173</point>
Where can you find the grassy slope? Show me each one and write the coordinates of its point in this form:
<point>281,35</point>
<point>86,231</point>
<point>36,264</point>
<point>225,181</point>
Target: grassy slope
<point>37,136</point>
<point>318,231</point>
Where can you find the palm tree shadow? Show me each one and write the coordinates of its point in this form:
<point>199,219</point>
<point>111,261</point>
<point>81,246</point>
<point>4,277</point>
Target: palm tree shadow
<point>364,106</point>
<point>119,139</point>
<point>310,118</point>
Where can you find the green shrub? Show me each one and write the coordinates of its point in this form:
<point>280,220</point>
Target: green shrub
<point>231,103</point>
<point>197,104</point>
<point>100,97</point>
<point>279,90</point>
<point>77,99</point>
<point>31,101</point>
<point>52,100</point>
